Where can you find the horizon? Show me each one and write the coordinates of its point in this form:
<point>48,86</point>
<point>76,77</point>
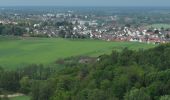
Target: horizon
<point>87,3</point>
<point>85,6</point>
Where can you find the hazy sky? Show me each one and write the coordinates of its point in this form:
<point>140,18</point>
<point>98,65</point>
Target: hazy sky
<point>85,2</point>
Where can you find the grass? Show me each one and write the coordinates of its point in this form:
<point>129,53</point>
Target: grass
<point>21,98</point>
<point>18,52</point>
<point>159,26</point>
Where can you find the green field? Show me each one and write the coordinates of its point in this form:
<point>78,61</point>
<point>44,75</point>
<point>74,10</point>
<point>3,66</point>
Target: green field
<point>16,52</point>
<point>159,26</point>
<point>21,98</point>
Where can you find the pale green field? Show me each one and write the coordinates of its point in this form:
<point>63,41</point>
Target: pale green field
<point>21,98</point>
<point>17,52</point>
<point>159,26</point>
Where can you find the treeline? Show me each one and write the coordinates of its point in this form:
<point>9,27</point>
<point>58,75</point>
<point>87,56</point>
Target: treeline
<point>21,80</point>
<point>12,30</point>
<point>125,75</point>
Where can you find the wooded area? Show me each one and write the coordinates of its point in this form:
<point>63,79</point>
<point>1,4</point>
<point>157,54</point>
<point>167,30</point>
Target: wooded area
<point>125,75</point>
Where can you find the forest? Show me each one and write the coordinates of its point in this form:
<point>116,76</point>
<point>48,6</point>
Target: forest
<point>122,75</point>
<point>16,30</point>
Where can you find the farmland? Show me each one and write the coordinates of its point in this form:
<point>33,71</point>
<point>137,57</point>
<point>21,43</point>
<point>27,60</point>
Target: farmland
<point>159,26</point>
<point>20,98</point>
<point>15,52</point>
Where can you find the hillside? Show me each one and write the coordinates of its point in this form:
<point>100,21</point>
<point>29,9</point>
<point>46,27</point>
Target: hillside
<point>125,75</point>
<point>16,51</point>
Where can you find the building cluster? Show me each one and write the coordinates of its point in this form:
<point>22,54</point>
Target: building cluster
<point>91,26</point>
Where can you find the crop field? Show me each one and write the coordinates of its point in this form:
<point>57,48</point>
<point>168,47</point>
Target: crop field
<point>20,98</point>
<point>16,52</point>
<point>159,26</point>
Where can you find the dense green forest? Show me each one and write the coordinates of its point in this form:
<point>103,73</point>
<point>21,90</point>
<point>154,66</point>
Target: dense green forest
<point>10,29</point>
<point>125,75</point>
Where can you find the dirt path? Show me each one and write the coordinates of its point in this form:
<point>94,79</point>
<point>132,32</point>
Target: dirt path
<point>12,95</point>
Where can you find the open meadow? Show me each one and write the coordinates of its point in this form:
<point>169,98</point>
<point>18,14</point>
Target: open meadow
<point>15,52</point>
<point>159,26</point>
<point>20,98</point>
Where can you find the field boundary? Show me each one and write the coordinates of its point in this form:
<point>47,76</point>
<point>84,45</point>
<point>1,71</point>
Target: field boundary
<point>12,95</point>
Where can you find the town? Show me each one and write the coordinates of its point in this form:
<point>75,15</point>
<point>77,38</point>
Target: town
<point>82,24</point>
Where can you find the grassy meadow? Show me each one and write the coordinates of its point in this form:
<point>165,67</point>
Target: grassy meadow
<point>159,26</point>
<point>20,98</point>
<point>15,52</point>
